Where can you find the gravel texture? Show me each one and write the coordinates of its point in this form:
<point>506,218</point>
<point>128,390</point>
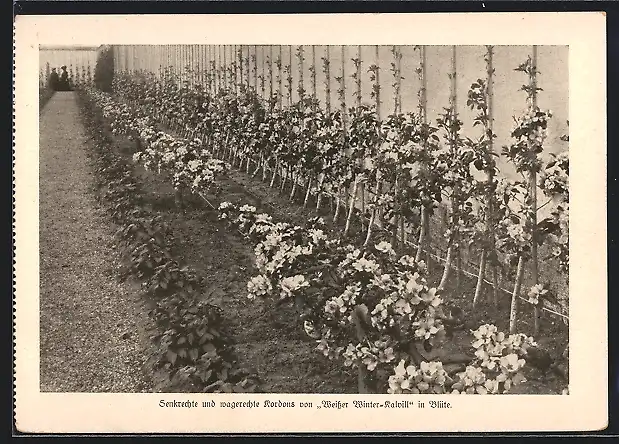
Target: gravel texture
<point>94,330</point>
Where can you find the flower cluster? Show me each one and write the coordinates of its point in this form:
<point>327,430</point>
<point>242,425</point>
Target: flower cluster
<point>370,355</point>
<point>339,288</point>
<point>188,163</point>
<point>554,178</point>
<point>530,132</point>
<point>429,377</point>
<point>537,293</point>
<point>501,358</point>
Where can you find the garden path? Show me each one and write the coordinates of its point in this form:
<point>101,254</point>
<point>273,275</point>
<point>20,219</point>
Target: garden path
<point>93,329</point>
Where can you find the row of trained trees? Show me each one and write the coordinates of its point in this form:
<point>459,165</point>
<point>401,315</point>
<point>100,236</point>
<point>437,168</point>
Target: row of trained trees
<point>392,172</point>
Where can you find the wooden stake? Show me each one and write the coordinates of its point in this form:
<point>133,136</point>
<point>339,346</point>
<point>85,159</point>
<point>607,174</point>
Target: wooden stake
<point>534,255</point>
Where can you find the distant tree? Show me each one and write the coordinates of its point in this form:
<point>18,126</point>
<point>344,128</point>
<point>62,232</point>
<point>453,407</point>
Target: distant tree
<point>104,69</point>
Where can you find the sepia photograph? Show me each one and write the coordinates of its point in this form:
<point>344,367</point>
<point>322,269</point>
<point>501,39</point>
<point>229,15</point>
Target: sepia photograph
<point>305,219</point>
<point>223,219</point>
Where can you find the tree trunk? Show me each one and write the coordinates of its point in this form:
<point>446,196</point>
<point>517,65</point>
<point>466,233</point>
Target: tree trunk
<point>362,190</point>
<point>447,270</point>
<point>374,211</point>
<point>351,209</point>
<point>495,287</point>
<point>480,278</point>
<point>295,180</point>
<point>274,173</point>
<point>307,192</point>
<point>513,311</point>
<point>265,166</point>
<point>394,220</point>
<point>458,267</point>
<point>337,204</point>
<point>285,178</point>
<point>260,165</point>
<point>422,234</point>
<point>319,197</point>
<point>361,378</point>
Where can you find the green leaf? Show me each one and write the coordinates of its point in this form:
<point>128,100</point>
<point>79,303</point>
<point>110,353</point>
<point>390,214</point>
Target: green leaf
<point>193,354</point>
<point>171,356</point>
<point>205,376</point>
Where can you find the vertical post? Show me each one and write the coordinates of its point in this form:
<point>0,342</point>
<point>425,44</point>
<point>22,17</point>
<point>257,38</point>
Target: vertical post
<point>379,116</point>
<point>173,62</point>
<point>399,66</point>
<point>217,68</point>
<point>290,79</point>
<point>394,50</point>
<point>191,63</point>
<point>375,216</point>
<point>377,91</point>
<point>397,220</point>
<point>188,64</point>
<point>279,77</point>
<point>182,56</point>
<point>255,68</point>
<point>314,93</point>
<point>200,66</point>
<point>359,76</point>
<point>492,209</point>
<point>212,69</point>
<point>207,67</point>
<point>234,68</point>
<point>342,97</point>
<point>179,63</point>
<point>343,88</point>
<point>240,58</point>
<point>263,69</point>
<point>271,75</point>
<point>534,255</point>
<point>301,85</point>
<point>328,80</point>
<point>253,55</point>
<point>247,70</point>
<point>226,80</point>
<point>424,116</point>
<point>454,79</point>
<point>362,184</point>
<point>220,78</point>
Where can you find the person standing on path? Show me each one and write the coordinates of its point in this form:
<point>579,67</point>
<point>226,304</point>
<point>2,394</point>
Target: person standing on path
<point>53,80</point>
<point>64,80</point>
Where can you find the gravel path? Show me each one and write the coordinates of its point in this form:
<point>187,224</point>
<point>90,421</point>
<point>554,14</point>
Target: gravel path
<point>93,329</point>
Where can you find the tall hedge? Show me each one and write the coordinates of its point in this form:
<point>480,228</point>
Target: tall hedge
<point>104,69</point>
